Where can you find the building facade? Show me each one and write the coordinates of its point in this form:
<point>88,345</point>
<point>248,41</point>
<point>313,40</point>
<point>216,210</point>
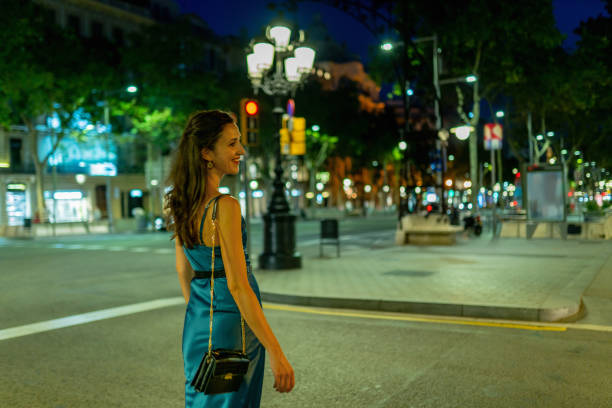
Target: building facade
<point>78,174</point>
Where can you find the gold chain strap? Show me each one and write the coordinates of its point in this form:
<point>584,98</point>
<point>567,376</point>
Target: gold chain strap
<point>212,289</point>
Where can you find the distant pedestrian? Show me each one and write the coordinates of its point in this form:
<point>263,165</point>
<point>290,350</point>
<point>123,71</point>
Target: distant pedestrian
<point>209,149</point>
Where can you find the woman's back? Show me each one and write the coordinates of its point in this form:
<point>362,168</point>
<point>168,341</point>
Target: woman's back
<point>200,255</point>
<point>226,333</point>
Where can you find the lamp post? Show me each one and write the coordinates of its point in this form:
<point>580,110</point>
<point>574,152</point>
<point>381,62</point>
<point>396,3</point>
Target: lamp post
<point>277,67</point>
<point>463,133</point>
<point>440,143</point>
<point>402,78</point>
<point>473,143</point>
<point>109,173</point>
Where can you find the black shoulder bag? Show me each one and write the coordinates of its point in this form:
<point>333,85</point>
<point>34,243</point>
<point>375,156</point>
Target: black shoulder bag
<point>221,370</point>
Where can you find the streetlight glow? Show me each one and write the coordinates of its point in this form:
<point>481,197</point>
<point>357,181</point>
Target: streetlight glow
<point>315,128</point>
<point>539,137</point>
<point>291,69</point>
<point>280,35</point>
<point>462,132</point>
<point>387,46</point>
<point>305,58</point>
<point>264,55</point>
<point>132,89</point>
<point>402,145</point>
<point>499,114</point>
<point>471,78</point>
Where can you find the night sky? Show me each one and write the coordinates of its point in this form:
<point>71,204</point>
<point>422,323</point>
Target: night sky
<point>230,17</point>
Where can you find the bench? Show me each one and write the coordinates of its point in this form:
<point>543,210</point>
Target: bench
<point>432,230</point>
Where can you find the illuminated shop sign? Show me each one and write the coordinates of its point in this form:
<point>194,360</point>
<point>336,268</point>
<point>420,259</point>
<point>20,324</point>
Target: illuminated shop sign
<point>103,169</point>
<point>16,187</point>
<point>136,193</point>
<point>68,195</point>
<point>90,156</point>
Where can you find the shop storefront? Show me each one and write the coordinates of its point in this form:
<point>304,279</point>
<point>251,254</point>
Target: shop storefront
<point>67,206</point>
<point>15,198</point>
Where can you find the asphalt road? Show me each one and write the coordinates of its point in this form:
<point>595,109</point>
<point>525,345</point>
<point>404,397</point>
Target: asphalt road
<point>341,358</point>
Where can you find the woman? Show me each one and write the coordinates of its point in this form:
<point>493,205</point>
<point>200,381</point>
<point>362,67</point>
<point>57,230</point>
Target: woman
<point>210,148</point>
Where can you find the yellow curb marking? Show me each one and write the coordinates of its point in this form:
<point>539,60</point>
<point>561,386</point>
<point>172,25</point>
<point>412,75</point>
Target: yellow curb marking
<point>520,326</point>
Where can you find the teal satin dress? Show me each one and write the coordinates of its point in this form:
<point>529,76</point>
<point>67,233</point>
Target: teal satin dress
<point>226,330</point>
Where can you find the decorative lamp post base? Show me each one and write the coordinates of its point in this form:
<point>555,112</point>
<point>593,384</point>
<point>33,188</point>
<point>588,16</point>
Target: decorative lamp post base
<point>279,243</point>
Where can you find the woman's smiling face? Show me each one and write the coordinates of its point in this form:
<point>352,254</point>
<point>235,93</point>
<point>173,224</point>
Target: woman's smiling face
<point>228,150</point>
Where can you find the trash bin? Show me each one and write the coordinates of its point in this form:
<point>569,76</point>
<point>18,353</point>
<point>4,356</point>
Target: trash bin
<point>329,235</point>
<point>27,223</point>
<point>141,219</point>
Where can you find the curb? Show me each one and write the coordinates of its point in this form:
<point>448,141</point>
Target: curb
<point>568,313</point>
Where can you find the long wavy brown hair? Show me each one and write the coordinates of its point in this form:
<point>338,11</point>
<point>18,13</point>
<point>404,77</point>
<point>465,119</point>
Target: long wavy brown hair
<point>187,179</point>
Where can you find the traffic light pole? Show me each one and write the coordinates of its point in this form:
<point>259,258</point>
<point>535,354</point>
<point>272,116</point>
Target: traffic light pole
<point>279,225</point>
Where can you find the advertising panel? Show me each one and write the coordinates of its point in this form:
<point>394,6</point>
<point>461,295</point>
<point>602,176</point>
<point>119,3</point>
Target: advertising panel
<point>545,195</point>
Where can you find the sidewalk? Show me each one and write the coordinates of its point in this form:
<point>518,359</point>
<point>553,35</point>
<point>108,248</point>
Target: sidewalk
<point>510,278</point>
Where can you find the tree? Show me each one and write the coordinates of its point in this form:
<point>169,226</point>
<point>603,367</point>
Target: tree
<point>45,71</point>
<point>346,129</point>
<point>591,89</point>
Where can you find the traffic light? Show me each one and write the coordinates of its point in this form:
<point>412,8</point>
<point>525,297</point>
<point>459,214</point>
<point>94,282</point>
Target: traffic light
<point>293,136</point>
<point>298,137</point>
<point>249,121</point>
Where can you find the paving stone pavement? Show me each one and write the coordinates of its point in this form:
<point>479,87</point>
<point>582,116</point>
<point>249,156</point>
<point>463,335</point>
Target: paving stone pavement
<point>512,278</point>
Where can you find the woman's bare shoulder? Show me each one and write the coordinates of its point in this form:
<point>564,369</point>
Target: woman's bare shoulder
<point>228,207</point>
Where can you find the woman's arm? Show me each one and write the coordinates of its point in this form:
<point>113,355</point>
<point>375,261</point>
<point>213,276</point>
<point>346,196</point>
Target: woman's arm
<point>230,238</point>
<point>183,269</point>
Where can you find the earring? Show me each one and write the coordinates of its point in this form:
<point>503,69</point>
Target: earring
<point>210,165</point>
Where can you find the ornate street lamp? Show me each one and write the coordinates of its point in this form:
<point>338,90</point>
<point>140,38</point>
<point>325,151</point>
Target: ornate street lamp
<point>278,67</point>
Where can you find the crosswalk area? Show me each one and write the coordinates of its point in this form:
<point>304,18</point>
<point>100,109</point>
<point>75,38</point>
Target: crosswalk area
<point>348,243</point>
<point>86,247</point>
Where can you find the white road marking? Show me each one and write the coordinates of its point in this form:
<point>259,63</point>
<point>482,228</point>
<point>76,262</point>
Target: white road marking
<point>368,236</point>
<point>74,246</point>
<point>164,251</point>
<point>116,248</point>
<point>74,320</point>
<point>140,249</point>
<point>93,247</point>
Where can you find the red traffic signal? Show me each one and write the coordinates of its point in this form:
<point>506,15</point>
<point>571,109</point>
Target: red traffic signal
<point>251,108</point>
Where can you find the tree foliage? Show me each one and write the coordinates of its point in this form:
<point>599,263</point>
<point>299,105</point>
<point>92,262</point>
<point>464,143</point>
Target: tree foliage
<point>45,71</point>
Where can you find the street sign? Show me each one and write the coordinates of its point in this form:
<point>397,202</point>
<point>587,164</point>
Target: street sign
<point>290,107</point>
<point>493,136</point>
